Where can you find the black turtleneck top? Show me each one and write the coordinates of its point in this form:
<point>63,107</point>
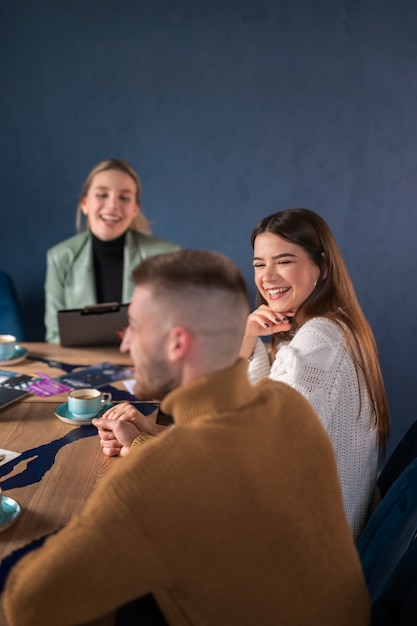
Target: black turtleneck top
<point>108,268</point>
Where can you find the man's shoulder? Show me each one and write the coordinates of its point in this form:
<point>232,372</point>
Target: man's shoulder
<point>284,402</point>
<point>276,390</point>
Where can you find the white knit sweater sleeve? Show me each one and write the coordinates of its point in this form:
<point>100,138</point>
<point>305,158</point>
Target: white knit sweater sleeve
<point>259,363</point>
<point>317,363</point>
<point>310,364</point>
<point>302,363</point>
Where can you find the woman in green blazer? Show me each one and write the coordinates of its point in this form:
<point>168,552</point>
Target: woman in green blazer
<point>95,265</point>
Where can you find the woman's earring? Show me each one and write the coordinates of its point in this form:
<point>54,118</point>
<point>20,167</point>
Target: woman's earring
<point>315,283</point>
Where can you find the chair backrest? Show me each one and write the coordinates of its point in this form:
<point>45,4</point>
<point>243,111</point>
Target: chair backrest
<point>390,531</point>
<point>10,316</point>
<point>403,454</point>
<point>144,611</point>
<point>397,603</point>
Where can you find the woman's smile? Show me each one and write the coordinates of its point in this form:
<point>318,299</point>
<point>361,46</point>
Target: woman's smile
<point>284,273</point>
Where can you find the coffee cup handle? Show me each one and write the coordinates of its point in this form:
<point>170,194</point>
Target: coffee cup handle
<point>105,397</point>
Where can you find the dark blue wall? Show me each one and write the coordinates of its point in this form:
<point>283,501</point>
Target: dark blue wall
<point>228,110</point>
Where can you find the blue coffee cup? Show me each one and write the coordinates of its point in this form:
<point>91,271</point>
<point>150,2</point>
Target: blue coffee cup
<point>87,403</point>
<point>7,347</point>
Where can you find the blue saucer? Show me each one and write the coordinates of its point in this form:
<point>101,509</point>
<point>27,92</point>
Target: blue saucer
<point>62,412</point>
<point>19,355</point>
<point>9,512</point>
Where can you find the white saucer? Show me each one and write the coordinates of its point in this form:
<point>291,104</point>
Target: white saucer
<point>9,512</point>
<point>20,355</point>
<point>64,415</point>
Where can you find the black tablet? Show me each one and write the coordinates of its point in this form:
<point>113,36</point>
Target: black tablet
<point>94,325</point>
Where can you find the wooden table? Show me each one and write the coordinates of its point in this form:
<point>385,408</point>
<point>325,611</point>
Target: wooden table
<point>60,463</point>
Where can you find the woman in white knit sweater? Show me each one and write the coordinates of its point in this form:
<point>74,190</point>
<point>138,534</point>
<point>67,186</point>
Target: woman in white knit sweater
<point>321,344</point>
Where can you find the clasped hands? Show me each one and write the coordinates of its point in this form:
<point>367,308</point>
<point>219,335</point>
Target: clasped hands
<point>120,425</point>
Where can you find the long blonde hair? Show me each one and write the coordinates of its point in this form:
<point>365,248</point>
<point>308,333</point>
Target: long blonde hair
<point>139,222</point>
<point>333,297</point>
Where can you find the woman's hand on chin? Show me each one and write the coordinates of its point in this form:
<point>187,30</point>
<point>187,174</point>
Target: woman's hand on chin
<point>264,321</point>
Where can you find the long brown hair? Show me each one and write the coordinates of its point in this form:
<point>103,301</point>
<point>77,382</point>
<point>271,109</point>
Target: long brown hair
<point>139,223</point>
<point>333,297</point>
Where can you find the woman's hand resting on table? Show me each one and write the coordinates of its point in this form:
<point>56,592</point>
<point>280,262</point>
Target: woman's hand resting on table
<point>120,425</point>
<point>262,322</point>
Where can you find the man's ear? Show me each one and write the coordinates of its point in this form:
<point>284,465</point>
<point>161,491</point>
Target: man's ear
<point>179,342</point>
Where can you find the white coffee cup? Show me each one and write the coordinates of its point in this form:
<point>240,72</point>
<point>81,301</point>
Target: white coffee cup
<point>7,347</point>
<point>87,403</point>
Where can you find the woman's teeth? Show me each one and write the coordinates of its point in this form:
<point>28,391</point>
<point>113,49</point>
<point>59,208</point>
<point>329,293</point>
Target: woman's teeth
<point>110,219</point>
<point>275,292</point>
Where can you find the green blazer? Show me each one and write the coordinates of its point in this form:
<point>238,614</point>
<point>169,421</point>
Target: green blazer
<point>70,281</point>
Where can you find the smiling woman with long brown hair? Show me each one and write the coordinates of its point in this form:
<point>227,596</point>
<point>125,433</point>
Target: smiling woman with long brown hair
<point>322,345</point>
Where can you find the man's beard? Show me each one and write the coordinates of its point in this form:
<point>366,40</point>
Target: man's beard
<point>158,382</point>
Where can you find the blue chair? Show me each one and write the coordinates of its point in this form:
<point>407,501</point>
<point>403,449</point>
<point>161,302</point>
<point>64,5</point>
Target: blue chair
<point>390,531</point>
<point>144,611</point>
<point>401,457</point>
<point>10,317</point>
<point>397,603</point>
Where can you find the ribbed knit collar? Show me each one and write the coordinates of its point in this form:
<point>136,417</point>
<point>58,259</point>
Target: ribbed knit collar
<point>208,395</point>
